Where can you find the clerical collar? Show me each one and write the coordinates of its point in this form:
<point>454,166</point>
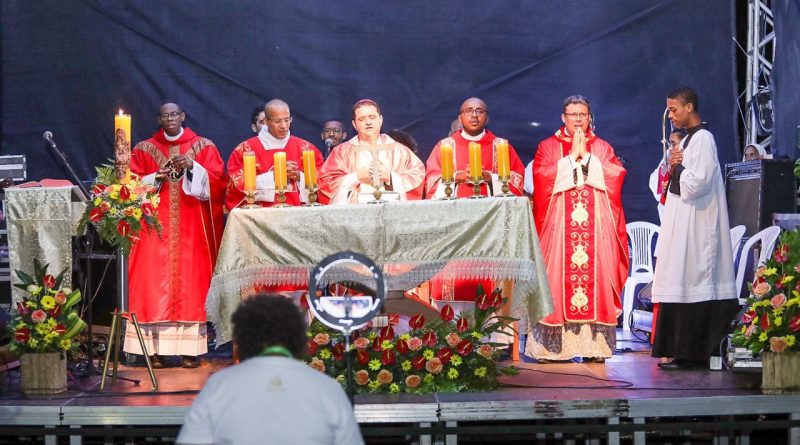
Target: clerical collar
<point>270,142</point>
<point>173,138</point>
<point>468,137</point>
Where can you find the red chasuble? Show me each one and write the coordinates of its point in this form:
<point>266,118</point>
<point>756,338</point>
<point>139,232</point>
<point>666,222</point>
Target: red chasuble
<point>582,232</point>
<point>465,289</point>
<point>169,275</point>
<point>433,168</point>
<point>264,159</point>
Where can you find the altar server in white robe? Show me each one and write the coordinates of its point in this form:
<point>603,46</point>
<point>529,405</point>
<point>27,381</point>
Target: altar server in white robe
<point>694,279</point>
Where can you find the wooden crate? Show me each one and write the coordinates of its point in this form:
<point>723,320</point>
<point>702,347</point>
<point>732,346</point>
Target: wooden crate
<point>781,372</point>
<point>43,373</point>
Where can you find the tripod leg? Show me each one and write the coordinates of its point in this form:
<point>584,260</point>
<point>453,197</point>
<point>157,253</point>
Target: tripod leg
<point>144,351</point>
<point>112,341</point>
<point>117,346</point>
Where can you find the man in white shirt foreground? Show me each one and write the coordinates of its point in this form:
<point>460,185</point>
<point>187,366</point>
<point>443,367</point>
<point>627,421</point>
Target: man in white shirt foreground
<point>270,396</point>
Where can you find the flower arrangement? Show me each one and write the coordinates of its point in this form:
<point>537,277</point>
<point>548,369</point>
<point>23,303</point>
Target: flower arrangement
<point>119,211</point>
<point>771,321</point>
<point>46,320</point>
<point>445,355</point>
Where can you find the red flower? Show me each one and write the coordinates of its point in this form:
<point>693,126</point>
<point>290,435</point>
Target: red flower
<point>387,332</point>
<point>21,308</point>
<point>338,351</point>
<point>462,324</point>
<point>60,329</point>
<point>147,209</point>
<point>418,362</point>
<point>748,316</point>
<point>61,297</point>
<point>447,313</point>
<point>387,357</point>
<point>105,206</point>
<point>376,344</point>
<point>484,302</point>
<point>362,357</point>
<point>764,320</point>
<point>123,228</point>
<point>55,312</point>
<point>312,346</point>
<point>464,348</point>
<point>98,189</point>
<point>402,346</point>
<point>794,324</point>
<point>393,318</point>
<point>497,299</point>
<point>96,214</point>
<point>304,301</point>
<point>38,316</point>
<point>416,321</point>
<point>444,355</point>
<point>22,334</point>
<point>124,193</point>
<point>429,339</point>
<point>49,281</point>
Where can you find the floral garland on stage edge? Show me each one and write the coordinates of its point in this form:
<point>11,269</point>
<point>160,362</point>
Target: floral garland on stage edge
<point>771,321</point>
<point>445,355</point>
<point>119,211</point>
<point>46,320</point>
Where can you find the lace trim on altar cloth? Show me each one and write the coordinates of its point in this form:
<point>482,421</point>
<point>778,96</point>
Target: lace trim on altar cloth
<point>571,340</point>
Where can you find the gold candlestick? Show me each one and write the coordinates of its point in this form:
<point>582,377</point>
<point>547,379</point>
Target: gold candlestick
<point>476,187</point>
<point>280,198</point>
<point>505,191</point>
<point>312,197</point>
<point>250,198</point>
<point>448,189</point>
<point>377,196</point>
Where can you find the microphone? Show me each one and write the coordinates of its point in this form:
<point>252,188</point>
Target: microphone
<point>48,137</point>
<point>328,143</point>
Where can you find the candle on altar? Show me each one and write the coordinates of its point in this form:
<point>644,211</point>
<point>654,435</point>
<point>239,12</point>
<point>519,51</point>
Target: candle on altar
<point>249,161</point>
<point>310,168</point>
<point>279,170</point>
<point>475,162</point>
<point>122,146</point>
<point>446,159</point>
<point>503,163</point>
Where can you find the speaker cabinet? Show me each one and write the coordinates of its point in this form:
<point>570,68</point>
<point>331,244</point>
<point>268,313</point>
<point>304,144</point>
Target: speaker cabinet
<point>757,189</point>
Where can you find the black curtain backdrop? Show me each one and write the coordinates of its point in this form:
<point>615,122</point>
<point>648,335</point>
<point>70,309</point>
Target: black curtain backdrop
<point>786,78</point>
<point>68,66</point>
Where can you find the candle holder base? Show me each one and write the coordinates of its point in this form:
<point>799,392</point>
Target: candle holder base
<point>505,193</point>
<point>312,198</point>
<point>377,197</point>
<point>280,199</point>
<point>476,188</point>
<point>250,198</point>
<point>448,191</point>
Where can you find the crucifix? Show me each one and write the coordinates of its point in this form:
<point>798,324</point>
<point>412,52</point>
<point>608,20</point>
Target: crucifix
<point>375,165</point>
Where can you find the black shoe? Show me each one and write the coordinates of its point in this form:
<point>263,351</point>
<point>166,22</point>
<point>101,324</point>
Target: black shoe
<point>594,360</point>
<point>156,362</point>
<point>677,365</point>
<point>190,362</point>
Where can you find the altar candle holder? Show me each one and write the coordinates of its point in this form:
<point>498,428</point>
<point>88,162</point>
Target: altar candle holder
<point>448,189</point>
<point>376,195</point>
<point>506,193</point>
<point>476,187</point>
<point>280,198</point>
<point>312,197</point>
<point>250,198</point>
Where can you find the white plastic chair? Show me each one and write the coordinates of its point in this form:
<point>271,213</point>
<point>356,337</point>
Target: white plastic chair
<point>736,238</point>
<point>767,237</point>
<point>640,236</point>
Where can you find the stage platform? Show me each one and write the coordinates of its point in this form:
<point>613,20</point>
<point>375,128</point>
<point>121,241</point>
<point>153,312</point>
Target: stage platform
<point>626,400</point>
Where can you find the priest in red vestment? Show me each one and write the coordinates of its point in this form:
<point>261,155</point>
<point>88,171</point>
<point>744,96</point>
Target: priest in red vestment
<point>370,158</point>
<point>274,137</point>
<point>169,274</point>
<point>578,214</point>
<point>473,116</point>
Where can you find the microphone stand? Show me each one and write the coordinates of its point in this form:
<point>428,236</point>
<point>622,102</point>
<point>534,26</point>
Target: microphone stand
<point>88,243</point>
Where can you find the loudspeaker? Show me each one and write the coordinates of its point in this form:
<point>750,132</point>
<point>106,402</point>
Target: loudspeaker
<point>757,189</point>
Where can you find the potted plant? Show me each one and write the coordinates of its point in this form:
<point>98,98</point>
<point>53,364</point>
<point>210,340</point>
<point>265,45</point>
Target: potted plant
<point>45,323</point>
<point>770,325</point>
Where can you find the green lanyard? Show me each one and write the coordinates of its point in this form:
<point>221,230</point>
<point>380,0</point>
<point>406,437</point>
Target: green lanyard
<point>276,350</point>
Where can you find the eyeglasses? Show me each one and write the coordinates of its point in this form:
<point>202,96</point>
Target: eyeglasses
<point>332,130</point>
<point>577,115</point>
<point>475,111</point>
<point>286,120</point>
<point>173,115</point>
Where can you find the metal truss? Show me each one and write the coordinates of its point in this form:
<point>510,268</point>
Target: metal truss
<point>760,57</point>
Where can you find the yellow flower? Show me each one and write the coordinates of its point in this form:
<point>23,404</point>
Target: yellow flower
<point>65,344</point>
<point>481,372</point>
<point>406,336</point>
<point>340,378</point>
<point>778,321</point>
<point>32,342</point>
<point>324,353</point>
<point>113,194</point>
<point>48,302</point>
<point>770,271</point>
<point>394,388</point>
<point>763,337</point>
<point>452,373</point>
<point>790,340</point>
<point>97,200</point>
<point>386,344</point>
<point>372,335</point>
<point>428,354</point>
<point>137,214</point>
<point>428,378</point>
<point>31,304</point>
<point>374,364</point>
<point>43,328</point>
<point>374,384</point>
<point>477,335</point>
<point>154,201</point>
<point>455,360</point>
<point>52,322</point>
<point>134,197</point>
<point>406,366</point>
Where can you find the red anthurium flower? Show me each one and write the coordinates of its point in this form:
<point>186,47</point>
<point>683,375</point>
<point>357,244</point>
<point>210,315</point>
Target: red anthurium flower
<point>304,301</point>
<point>24,333</point>
<point>393,318</point>
<point>376,344</point>
<point>96,214</point>
<point>416,321</point>
<point>418,362</point>
<point>21,308</point>
<point>748,316</point>
<point>497,299</point>
<point>429,339</point>
<point>444,355</point>
<point>362,357</point>
<point>49,281</point>
<point>338,351</point>
<point>98,189</point>
<point>123,228</point>
<point>464,348</point>
<point>447,313</point>
<point>764,321</point>
<point>56,311</point>
<point>312,346</point>
<point>484,302</point>
<point>124,193</point>
<point>794,324</point>
<point>387,357</point>
<point>402,346</point>
<point>147,209</point>
<point>462,324</point>
<point>60,329</point>
<point>387,332</point>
